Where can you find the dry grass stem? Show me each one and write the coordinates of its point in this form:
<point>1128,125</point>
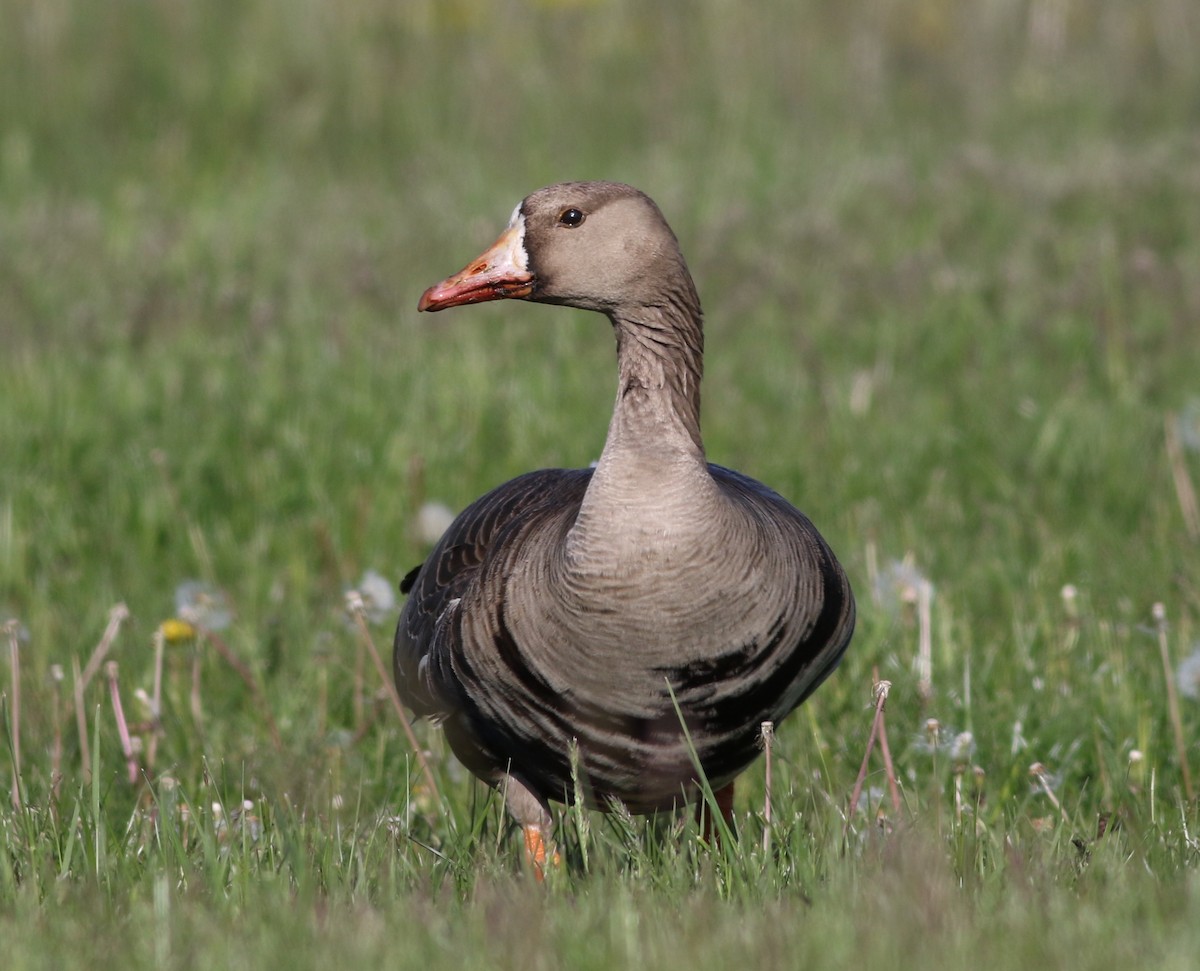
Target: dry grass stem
<point>358,698</point>
<point>1185,490</point>
<point>880,689</point>
<point>1160,621</point>
<point>1038,771</point>
<point>56,746</point>
<point>160,644</point>
<point>767,730</point>
<point>252,683</point>
<point>194,701</point>
<point>357,610</point>
<point>14,658</point>
<point>85,757</point>
<point>117,615</point>
<point>924,640</point>
<point>131,765</point>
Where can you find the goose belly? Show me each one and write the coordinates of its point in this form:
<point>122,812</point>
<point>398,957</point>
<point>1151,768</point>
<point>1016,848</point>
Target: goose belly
<point>633,679</point>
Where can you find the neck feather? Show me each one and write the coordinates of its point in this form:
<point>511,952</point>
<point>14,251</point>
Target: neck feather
<point>660,360</point>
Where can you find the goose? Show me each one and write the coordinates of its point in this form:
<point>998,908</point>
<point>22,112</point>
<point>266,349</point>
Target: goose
<point>607,629</point>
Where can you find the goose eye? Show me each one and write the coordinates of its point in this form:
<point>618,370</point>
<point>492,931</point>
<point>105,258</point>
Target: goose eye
<point>571,217</point>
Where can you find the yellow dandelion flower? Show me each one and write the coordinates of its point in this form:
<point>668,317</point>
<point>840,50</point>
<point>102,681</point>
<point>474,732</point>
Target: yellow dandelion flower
<point>175,631</point>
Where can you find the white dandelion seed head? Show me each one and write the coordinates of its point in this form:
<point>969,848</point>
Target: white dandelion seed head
<point>202,605</point>
<point>900,584</point>
<point>378,597</point>
<point>12,627</point>
<point>433,519</point>
<point>1187,675</point>
<point>1044,779</point>
<point>962,748</point>
<point>869,799</point>
<point>939,738</point>
<point>1187,424</point>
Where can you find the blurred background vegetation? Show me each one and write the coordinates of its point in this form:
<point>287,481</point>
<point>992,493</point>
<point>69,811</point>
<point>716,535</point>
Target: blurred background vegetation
<point>950,258</point>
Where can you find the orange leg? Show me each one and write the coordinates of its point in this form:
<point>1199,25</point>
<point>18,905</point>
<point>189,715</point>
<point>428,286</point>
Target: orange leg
<point>537,852</point>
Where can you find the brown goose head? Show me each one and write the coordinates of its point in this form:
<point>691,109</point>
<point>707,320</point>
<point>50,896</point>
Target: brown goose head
<point>594,245</point>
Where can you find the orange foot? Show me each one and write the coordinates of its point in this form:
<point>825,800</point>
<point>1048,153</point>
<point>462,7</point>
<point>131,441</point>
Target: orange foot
<point>536,852</point>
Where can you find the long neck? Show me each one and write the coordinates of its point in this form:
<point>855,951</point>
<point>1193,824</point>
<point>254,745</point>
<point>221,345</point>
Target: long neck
<point>660,360</point>
<point>652,479</point>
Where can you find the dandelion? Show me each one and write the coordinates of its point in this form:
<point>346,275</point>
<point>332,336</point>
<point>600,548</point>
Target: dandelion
<point>870,799</point>
<point>1187,425</point>
<point>202,609</point>
<point>1070,599</point>
<point>899,584</point>
<point>1187,675</point>
<point>378,597</point>
<point>202,605</point>
<point>962,748</point>
<point>941,739</point>
<point>244,821</point>
<point>12,624</point>
<point>176,631</point>
<point>1046,782</point>
<point>931,741</point>
<point>433,519</point>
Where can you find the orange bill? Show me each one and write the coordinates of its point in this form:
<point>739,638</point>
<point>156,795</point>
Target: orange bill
<point>502,271</point>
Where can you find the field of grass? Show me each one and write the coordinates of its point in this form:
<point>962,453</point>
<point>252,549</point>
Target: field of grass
<point>949,252</point>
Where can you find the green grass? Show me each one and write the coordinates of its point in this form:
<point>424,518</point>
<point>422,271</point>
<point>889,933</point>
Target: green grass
<point>950,258</point>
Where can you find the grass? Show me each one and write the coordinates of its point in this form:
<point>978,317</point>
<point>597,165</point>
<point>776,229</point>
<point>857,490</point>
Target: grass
<point>950,258</point>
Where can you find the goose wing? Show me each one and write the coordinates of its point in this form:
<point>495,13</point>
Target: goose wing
<point>483,530</point>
